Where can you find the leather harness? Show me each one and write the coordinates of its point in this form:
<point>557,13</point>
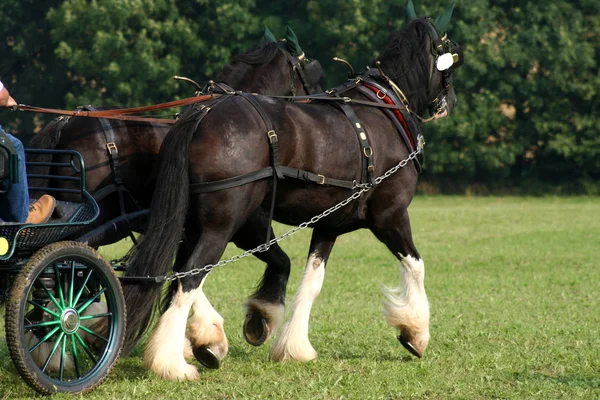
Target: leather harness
<point>275,170</point>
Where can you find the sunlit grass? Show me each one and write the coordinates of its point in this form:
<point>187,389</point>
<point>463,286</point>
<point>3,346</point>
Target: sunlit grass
<point>514,286</point>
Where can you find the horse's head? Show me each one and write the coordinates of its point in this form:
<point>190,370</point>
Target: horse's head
<point>277,68</point>
<point>419,62</point>
<point>446,57</point>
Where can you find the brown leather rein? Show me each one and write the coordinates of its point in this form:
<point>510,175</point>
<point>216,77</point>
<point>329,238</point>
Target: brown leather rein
<point>122,113</point>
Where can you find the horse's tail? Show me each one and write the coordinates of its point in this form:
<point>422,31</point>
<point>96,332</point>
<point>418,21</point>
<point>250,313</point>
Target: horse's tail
<point>47,138</point>
<point>153,256</point>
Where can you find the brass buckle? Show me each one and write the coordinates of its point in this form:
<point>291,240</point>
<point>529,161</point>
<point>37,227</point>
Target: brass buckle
<point>329,91</point>
<point>110,146</point>
<point>368,151</point>
<point>381,95</point>
<point>322,181</point>
<point>272,136</point>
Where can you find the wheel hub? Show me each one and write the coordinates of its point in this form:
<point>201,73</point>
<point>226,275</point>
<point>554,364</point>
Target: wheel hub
<point>69,321</point>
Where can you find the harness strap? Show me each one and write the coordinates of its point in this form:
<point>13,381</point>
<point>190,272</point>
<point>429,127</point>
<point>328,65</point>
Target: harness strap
<point>368,170</point>
<point>297,67</point>
<point>206,187</point>
<point>113,156</point>
<point>273,140</point>
<point>274,145</point>
<point>398,119</point>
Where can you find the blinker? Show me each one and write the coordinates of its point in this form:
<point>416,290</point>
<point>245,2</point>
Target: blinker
<point>445,61</point>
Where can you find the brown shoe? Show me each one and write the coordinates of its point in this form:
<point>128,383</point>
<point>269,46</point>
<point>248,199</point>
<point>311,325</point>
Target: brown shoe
<point>41,211</point>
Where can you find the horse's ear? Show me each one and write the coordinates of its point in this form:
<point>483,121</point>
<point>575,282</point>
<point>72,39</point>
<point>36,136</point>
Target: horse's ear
<point>268,36</point>
<point>410,11</point>
<point>441,23</point>
<point>292,43</point>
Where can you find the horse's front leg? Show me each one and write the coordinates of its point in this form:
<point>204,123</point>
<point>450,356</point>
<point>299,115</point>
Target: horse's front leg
<point>292,342</point>
<point>406,306</point>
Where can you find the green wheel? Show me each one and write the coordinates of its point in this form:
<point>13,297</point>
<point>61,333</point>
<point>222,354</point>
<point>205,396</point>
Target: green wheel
<point>65,319</point>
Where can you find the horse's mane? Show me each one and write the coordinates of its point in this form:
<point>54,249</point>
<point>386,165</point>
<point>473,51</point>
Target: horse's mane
<point>406,61</point>
<point>236,72</point>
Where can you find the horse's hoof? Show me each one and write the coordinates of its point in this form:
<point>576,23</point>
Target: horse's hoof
<point>207,357</point>
<point>256,330</point>
<point>408,346</point>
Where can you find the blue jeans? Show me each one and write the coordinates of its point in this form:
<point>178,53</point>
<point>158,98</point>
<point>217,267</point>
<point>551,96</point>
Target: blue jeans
<point>14,205</point>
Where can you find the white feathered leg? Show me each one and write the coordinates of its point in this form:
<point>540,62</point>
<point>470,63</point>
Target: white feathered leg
<point>406,307</point>
<point>164,352</point>
<point>205,327</point>
<point>292,342</point>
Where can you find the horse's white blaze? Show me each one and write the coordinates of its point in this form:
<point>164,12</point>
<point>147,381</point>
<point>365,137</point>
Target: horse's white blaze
<point>292,343</point>
<point>205,327</point>
<point>272,313</point>
<point>406,307</point>
<point>165,350</point>
<point>40,355</point>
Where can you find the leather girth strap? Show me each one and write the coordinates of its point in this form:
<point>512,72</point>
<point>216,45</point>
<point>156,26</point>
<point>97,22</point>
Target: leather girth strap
<point>113,156</point>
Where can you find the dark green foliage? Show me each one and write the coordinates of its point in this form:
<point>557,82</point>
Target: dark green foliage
<point>528,92</point>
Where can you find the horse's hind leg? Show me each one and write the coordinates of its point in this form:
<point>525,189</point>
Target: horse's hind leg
<point>264,308</point>
<point>164,352</point>
<point>165,349</point>
<point>405,306</point>
<point>206,332</point>
<point>292,342</point>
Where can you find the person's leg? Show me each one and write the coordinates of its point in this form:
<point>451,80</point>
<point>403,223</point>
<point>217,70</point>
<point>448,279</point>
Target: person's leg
<point>14,205</point>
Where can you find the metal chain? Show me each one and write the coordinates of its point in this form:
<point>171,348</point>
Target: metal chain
<point>364,187</point>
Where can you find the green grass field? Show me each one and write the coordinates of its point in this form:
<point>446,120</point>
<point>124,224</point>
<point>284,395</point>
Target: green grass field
<point>514,287</point>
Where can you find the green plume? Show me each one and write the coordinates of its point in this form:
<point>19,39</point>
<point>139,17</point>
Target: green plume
<point>292,43</point>
<point>268,36</point>
<point>410,11</point>
<point>442,22</point>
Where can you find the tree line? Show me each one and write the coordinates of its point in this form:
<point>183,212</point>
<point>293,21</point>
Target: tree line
<point>526,120</point>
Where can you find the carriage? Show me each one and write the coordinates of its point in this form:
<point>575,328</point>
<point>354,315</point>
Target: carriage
<point>65,313</point>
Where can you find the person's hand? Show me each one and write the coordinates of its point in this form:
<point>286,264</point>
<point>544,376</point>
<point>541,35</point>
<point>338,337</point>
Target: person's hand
<point>11,102</point>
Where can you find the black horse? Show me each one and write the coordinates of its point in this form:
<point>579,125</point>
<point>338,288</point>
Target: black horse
<point>224,172</point>
<point>121,155</point>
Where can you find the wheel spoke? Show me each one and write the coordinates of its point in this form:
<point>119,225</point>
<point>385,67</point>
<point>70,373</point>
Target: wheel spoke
<point>50,295</point>
<point>91,332</point>
<point>46,323</point>
<point>48,335</point>
<point>90,301</point>
<point>87,278</point>
<point>86,317</point>
<point>72,284</point>
<point>49,311</point>
<point>75,357</point>
<point>53,351</point>
<point>63,353</point>
<point>86,348</point>
<point>59,285</point>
